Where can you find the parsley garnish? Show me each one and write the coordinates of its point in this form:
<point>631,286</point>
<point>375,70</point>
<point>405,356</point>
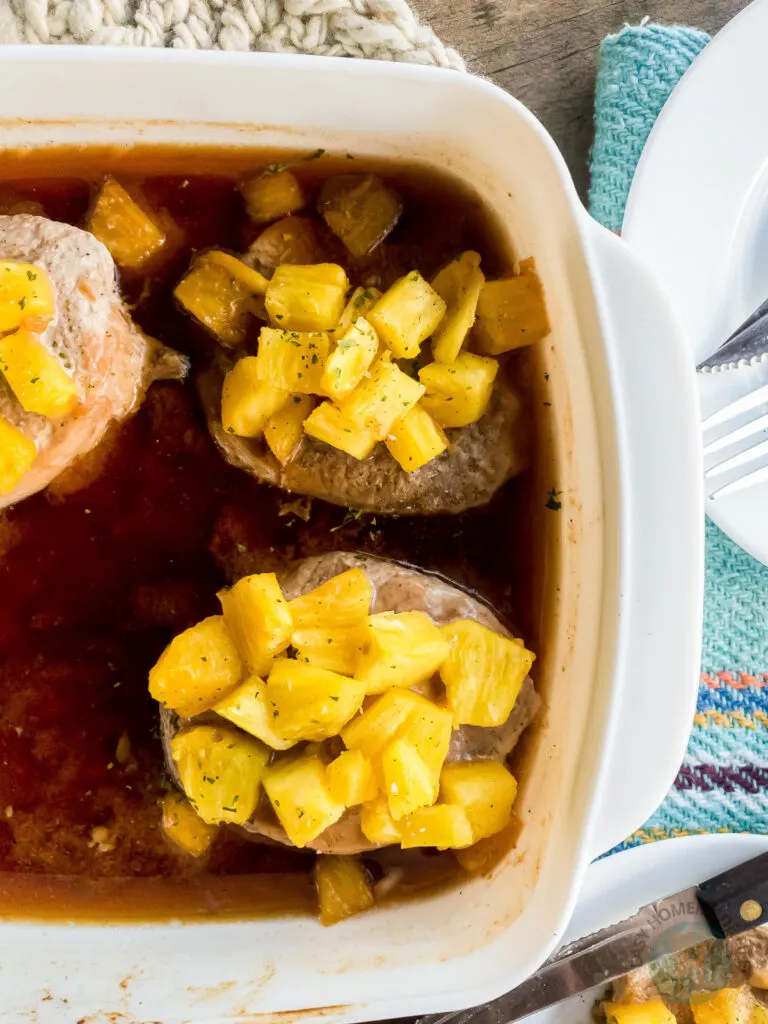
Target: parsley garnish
<point>553,501</point>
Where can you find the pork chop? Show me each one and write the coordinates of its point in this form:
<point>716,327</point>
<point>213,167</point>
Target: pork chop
<point>110,361</point>
<point>398,588</point>
<point>480,458</point>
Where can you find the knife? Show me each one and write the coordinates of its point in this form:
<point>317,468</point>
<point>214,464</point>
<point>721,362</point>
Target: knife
<point>747,346</point>
<point>726,905</point>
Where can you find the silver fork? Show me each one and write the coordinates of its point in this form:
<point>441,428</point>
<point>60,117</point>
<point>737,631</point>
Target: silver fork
<point>742,460</point>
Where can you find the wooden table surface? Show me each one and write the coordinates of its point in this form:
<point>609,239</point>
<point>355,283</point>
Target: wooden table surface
<point>544,52</point>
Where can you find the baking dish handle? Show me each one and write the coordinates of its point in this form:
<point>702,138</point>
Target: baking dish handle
<point>658,420</point>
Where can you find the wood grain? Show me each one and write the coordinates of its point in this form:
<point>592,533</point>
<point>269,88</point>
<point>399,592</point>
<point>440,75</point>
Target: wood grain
<point>544,52</point>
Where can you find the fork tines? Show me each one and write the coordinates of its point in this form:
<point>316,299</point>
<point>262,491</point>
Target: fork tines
<point>744,459</point>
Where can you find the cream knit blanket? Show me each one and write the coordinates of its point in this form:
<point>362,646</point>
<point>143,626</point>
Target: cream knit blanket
<point>381,29</point>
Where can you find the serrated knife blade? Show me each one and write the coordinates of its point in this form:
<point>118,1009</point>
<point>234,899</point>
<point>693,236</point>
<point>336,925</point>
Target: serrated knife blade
<point>726,905</point>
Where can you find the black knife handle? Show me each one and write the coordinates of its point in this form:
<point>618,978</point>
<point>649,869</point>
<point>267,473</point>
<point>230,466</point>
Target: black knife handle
<point>737,900</point>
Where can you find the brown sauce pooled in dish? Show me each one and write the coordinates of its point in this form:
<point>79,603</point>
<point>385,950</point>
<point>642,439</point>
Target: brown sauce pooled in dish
<point>96,579</point>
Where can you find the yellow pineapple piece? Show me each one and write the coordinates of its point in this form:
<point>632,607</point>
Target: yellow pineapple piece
<point>221,771</point>
<point>725,1006</point>
<point>272,195</point>
<point>415,439</point>
<point>383,398</point>
<point>343,887</point>
<point>351,778</point>
<point>512,313</point>
<point>292,360</point>
<point>343,600</point>
<point>406,315</point>
<point>25,294</point>
<point>651,1012</point>
<point>222,293</point>
<point>17,453</point>
<point>759,1014</point>
<point>247,403</point>
<point>444,826</point>
<point>485,789</point>
<point>377,824</point>
<point>360,210</point>
<point>348,363</point>
<point>131,234</point>
<point>338,649</point>
<point>258,618</point>
<point>300,797</point>
<point>408,782</point>
<point>458,393</point>
<point>247,707</point>
<point>358,304</point>
<point>306,297</point>
<point>310,703</point>
<point>482,673</point>
<point>330,424</point>
<point>197,668</point>
<point>404,648</point>
<point>36,376</point>
<point>458,284</point>
<point>284,430</point>
<point>184,826</point>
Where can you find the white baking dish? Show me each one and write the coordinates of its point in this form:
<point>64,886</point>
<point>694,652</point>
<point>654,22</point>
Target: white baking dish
<point>624,590</point>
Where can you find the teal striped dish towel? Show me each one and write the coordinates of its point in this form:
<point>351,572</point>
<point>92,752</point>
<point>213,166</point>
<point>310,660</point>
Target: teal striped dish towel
<point>722,785</point>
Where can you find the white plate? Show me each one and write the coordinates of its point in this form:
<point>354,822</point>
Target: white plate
<point>698,213</point>
<point>616,887</point>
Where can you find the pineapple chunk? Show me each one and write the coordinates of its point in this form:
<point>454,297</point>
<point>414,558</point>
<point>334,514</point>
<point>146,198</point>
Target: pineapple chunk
<point>360,210</point>
<point>247,708</point>
<point>377,824</point>
<point>406,315</point>
<point>197,668</point>
<point>310,703</point>
<point>330,424</point>
<point>292,360</point>
<point>726,1006</point>
<point>36,376</point>
<point>247,403</point>
<point>350,360</point>
<point>445,826</point>
<point>458,393</point>
<point>288,240</point>
<point>25,294</point>
<point>306,297</point>
<point>259,619</point>
<point>759,1014</point>
<point>483,673</point>
<point>358,304</point>
<point>17,453</point>
<point>384,397</point>
<point>485,789</point>
<point>404,648</point>
<point>459,285</point>
<point>284,430</point>
<point>512,313</point>
<point>270,196</point>
<point>343,887</point>
<point>343,600</point>
<point>300,797</point>
<point>337,650</point>
<point>185,828</point>
<point>221,292</point>
<point>221,771</point>
<point>415,440</point>
<point>132,236</point>
<point>402,714</point>
<point>408,782</point>
<point>350,778</point>
<point>653,1011</point>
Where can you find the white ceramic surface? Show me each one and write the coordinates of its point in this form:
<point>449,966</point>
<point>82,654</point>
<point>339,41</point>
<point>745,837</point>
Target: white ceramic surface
<point>623,618</point>
<point>616,887</point>
<point>698,214</point>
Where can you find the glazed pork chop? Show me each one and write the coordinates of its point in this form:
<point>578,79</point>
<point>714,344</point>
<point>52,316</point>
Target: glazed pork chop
<point>110,361</point>
<point>480,458</point>
<point>396,588</point>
